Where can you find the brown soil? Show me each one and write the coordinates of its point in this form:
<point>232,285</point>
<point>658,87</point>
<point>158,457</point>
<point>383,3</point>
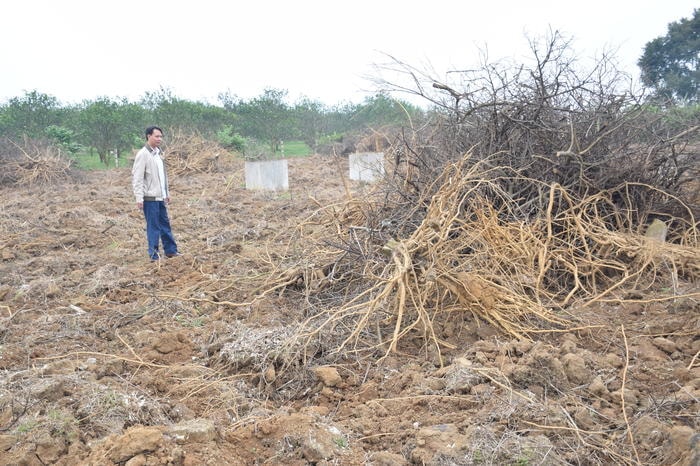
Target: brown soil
<point>106,358</point>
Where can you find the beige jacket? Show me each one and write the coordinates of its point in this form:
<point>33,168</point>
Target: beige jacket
<point>145,179</point>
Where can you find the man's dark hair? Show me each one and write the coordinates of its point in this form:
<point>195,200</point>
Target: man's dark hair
<point>150,130</point>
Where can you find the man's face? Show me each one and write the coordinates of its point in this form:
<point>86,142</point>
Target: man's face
<point>155,138</point>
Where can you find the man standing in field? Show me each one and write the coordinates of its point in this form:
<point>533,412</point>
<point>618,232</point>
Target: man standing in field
<point>150,183</point>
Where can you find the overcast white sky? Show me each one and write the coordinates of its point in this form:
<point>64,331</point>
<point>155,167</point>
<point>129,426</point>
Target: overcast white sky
<point>76,50</point>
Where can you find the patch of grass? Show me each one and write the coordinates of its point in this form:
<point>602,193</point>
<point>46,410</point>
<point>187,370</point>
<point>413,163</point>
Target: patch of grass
<point>86,160</point>
<point>294,149</point>
<point>62,424</point>
<point>190,321</point>
<point>27,426</point>
<point>109,400</point>
<point>525,459</point>
<point>341,442</point>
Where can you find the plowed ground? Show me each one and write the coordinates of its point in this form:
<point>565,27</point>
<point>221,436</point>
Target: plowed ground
<point>107,358</point>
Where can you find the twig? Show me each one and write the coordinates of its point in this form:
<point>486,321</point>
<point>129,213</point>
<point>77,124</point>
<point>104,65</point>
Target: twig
<point>485,373</point>
<point>622,395</point>
<point>94,353</point>
<point>381,434</point>
<point>692,361</point>
<point>414,397</point>
<point>575,429</point>
<point>131,350</point>
<point>107,229</point>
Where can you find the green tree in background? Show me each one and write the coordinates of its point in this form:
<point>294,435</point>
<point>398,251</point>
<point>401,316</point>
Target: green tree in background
<point>108,125</point>
<point>310,121</point>
<point>29,115</point>
<point>380,110</point>
<point>266,118</point>
<point>64,138</point>
<point>173,113</point>
<point>254,127</point>
<point>671,64</point>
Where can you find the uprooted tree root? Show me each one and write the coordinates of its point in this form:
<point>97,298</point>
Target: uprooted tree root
<point>468,257</point>
<point>33,162</point>
<point>189,152</point>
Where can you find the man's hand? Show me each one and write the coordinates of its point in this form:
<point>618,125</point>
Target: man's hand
<point>139,205</point>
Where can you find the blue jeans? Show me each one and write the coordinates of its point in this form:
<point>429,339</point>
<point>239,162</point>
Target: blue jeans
<point>158,229</point>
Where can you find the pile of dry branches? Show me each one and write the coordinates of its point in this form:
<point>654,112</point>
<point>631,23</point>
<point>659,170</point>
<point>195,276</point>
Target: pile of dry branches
<point>190,152</point>
<point>546,119</point>
<point>473,254</point>
<point>32,162</point>
<point>548,209</point>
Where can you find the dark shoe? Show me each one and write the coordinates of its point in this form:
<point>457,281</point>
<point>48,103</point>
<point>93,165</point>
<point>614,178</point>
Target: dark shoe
<point>173,255</point>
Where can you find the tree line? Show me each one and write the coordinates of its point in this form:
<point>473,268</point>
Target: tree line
<point>106,124</point>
